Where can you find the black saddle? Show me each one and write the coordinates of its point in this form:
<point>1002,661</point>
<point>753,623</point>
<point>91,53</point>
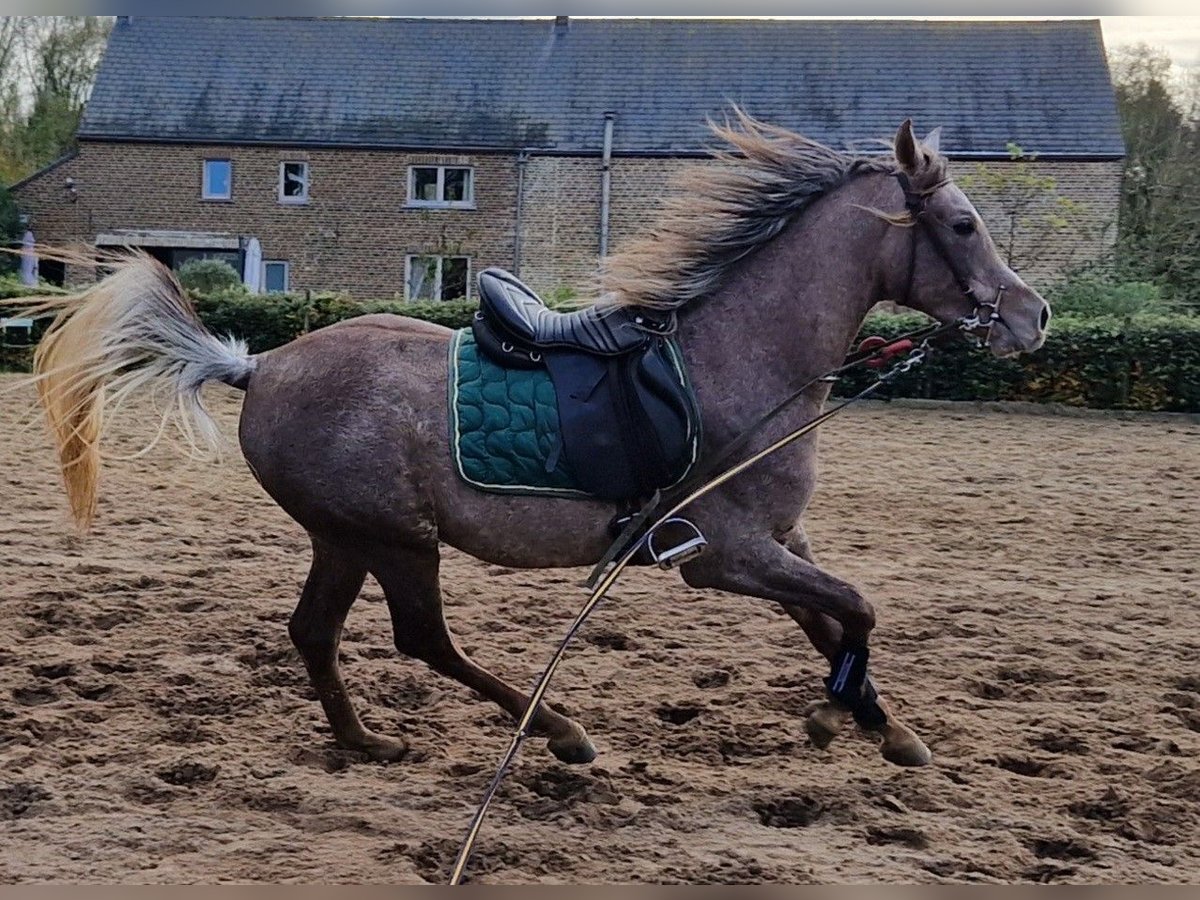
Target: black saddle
<point>628,420</point>
<point>519,313</point>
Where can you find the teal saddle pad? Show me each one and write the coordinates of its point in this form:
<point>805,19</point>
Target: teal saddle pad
<point>504,432</point>
<point>504,424</point>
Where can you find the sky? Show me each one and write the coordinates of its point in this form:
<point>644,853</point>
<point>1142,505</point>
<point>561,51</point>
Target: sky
<point>1178,35</point>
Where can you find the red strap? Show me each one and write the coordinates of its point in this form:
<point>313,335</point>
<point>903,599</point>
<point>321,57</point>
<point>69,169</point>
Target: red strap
<point>887,351</point>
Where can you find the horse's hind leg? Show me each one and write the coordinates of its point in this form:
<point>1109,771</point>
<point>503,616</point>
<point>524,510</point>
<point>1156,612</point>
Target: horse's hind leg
<point>410,584</point>
<point>316,629</point>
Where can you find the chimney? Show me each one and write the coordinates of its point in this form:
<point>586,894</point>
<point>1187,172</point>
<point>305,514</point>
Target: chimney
<point>562,24</point>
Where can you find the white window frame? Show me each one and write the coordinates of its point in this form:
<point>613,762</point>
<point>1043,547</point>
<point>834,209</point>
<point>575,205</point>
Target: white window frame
<point>302,198</point>
<point>205,193</point>
<point>468,203</point>
<point>437,281</point>
<point>287,275</point>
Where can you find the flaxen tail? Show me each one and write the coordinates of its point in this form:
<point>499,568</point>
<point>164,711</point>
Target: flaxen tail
<point>134,328</point>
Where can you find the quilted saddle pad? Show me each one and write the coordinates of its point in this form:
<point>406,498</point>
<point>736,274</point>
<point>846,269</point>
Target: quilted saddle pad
<point>504,430</point>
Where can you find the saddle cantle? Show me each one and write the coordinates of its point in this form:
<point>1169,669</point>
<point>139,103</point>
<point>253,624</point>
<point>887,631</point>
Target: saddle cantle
<point>628,421</point>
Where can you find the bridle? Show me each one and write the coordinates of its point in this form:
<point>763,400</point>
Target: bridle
<point>986,313</point>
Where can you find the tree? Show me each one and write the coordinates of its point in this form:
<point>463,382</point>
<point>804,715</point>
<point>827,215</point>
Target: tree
<point>47,66</point>
<point>10,228</point>
<point>1029,214</point>
<point>1159,236</point>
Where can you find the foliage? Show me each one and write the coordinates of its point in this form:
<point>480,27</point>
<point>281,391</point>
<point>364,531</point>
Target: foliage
<point>1159,237</point>
<point>10,229</point>
<point>1093,294</point>
<point>16,345</point>
<point>562,295</point>
<point>11,287</point>
<point>47,66</point>
<point>269,320</point>
<point>1031,215</point>
<point>208,276</point>
<point>1145,362</point>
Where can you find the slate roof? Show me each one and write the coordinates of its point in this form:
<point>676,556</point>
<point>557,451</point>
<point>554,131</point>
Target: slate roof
<point>511,83</point>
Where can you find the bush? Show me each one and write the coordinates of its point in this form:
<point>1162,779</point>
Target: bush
<point>209,276</point>
<point>11,287</point>
<point>1148,362</point>
<point>10,229</point>
<point>270,320</point>
<point>1088,296</point>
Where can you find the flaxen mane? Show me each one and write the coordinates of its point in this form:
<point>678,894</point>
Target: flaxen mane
<point>719,213</point>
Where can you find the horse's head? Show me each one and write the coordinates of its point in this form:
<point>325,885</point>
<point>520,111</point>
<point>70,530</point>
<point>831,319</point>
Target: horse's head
<point>951,269</point>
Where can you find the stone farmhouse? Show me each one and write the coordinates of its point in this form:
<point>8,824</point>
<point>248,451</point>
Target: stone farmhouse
<point>396,157</point>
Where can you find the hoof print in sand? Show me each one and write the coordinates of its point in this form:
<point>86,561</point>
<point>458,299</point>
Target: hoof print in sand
<point>17,800</point>
<point>789,812</point>
<point>187,772</point>
<point>1064,848</point>
<point>677,714</point>
<point>908,837</point>
<point>712,678</point>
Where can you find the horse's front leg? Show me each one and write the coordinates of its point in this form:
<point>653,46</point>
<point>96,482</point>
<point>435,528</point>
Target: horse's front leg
<point>838,620</point>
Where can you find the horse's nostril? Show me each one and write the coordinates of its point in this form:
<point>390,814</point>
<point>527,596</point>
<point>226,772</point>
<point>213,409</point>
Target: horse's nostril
<point>1045,317</point>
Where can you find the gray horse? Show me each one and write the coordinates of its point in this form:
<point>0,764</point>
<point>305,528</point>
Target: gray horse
<point>772,257</point>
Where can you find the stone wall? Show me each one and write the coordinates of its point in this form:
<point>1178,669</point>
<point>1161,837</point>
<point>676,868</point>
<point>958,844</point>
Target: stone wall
<point>355,232</point>
<point>562,212</point>
<point>352,235</point>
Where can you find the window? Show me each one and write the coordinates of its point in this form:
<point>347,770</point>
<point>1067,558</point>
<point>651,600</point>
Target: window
<point>176,257</point>
<point>445,186</point>
<point>218,180</point>
<point>274,276</point>
<point>437,278</point>
<point>293,182</point>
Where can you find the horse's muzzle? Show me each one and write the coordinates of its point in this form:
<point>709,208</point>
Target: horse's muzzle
<point>1021,327</point>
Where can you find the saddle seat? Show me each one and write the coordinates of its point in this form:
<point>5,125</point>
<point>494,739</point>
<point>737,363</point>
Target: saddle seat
<point>512,308</point>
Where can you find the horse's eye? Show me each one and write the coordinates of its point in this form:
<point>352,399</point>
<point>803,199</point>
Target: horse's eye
<point>964,227</point>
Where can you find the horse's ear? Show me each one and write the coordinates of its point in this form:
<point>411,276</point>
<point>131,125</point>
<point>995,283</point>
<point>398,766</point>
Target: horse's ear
<point>906,148</point>
<point>933,140</point>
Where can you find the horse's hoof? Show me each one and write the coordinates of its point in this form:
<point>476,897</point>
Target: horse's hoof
<point>903,748</point>
<point>825,722</point>
<point>384,749</point>
<point>574,747</point>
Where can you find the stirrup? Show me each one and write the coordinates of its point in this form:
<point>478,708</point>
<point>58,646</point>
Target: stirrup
<point>683,547</point>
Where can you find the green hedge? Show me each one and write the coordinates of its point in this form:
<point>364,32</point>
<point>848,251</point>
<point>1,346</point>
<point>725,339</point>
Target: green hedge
<point>11,286</point>
<point>1149,362</point>
<point>1144,362</point>
<point>269,320</point>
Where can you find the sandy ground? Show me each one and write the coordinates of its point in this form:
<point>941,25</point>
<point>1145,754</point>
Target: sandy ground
<point>1039,605</point>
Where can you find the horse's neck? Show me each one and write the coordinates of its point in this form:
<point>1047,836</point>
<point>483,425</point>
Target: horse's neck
<point>788,312</point>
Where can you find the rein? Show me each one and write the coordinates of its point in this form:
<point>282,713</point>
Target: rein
<point>873,353</point>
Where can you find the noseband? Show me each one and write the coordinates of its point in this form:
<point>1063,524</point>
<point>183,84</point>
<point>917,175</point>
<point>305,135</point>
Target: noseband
<point>986,313</point>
